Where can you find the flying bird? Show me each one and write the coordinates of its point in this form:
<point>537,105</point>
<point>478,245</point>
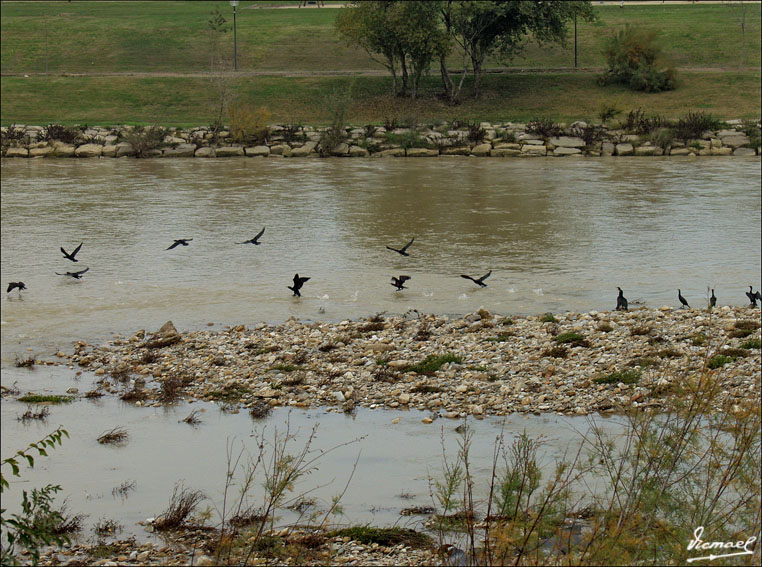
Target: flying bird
<point>14,285</point>
<point>403,249</point>
<point>75,275</point>
<point>71,256</point>
<point>682,300</point>
<point>298,283</point>
<point>399,282</point>
<point>713,300</point>
<point>254,240</point>
<point>621,301</point>
<point>479,281</point>
<point>179,241</point>
<point>753,296</point>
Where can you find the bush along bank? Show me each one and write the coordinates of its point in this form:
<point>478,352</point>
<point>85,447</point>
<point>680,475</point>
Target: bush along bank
<point>638,135</point>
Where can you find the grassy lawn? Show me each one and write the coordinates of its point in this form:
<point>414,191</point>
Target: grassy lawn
<point>177,101</point>
<point>173,37</point>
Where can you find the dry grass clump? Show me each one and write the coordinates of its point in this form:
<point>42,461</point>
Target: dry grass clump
<point>250,517</point>
<point>169,390</point>
<point>106,527</point>
<point>182,503</point>
<point>27,362</point>
<point>149,357</point>
<point>123,489</point>
<point>31,414</point>
<point>669,353</point>
<point>385,373</point>
<point>116,435</point>
<point>640,331</point>
<point>260,410</point>
<point>120,374</point>
<point>192,417</point>
<point>556,352</point>
<point>294,379</point>
<point>93,394</point>
<point>134,395</point>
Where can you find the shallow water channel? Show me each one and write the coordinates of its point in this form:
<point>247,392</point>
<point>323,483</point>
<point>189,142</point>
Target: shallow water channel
<point>558,235</point>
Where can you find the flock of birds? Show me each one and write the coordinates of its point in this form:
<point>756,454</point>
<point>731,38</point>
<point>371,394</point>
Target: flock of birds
<point>397,282</point>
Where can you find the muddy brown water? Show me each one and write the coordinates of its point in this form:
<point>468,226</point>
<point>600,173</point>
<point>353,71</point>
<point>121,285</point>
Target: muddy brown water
<point>558,235</point>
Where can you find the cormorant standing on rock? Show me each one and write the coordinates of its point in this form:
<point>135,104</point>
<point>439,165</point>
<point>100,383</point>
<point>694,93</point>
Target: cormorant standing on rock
<point>682,300</point>
<point>621,301</point>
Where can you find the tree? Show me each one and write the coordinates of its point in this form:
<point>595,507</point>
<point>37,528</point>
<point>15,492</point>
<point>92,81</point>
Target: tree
<point>216,23</point>
<point>403,36</point>
<point>504,26</point>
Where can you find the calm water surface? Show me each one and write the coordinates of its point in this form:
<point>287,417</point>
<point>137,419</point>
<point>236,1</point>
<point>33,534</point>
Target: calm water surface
<point>558,235</point>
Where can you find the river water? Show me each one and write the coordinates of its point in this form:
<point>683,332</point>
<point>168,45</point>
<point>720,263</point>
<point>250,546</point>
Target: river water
<point>558,235</point>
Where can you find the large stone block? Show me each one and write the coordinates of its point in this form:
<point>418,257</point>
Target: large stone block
<point>568,142</point>
<point>504,152</point>
<point>735,141</point>
<point>124,149</point>
<point>422,152</point>
<point>391,152</point>
<point>736,152</point>
<point>565,151</point>
<point>358,151</point>
<point>624,149</point>
<point>533,150</point>
<point>182,150</point>
<point>205,152</point>
<point>40,152</point>
<point>481,150</point>
<point>305,150</point>
<point>456,151</point>
<point>89,150</point>
<point>257,151</point>
<point>229,151</point>
<point>17,152</point>
<point>63,150</point>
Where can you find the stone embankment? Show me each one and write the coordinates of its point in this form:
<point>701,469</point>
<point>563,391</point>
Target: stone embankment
<point>478,365</point>
<point>507,139</point>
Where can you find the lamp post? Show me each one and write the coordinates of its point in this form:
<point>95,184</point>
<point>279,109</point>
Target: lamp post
<point>234,3</point>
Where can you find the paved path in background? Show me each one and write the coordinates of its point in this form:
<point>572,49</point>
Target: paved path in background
<point>353,73</point>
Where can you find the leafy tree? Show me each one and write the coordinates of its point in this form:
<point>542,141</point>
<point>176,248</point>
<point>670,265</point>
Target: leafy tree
<point>216,23</point>
<point>483,27</point>
<point>403,36</point>
<point>635,59</point>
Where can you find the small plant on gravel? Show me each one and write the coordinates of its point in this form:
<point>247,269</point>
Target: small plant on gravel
<point>624,376</point>
<point>752,343</point>
<point>425,389</point>
<point>432,363</point>
<point>384,536</point>
<point>116,435</point>
<point>718,361</point>
<point>548,318</point>
<point>571,338</point>
<point>556,352</point>
<point>640,330</point>
<point>501,338</point>
<point>182,503</point>
<point>698,339</point>
<point>669,353</point>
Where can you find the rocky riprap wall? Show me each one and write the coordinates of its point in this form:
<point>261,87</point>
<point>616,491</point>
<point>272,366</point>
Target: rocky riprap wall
<point>487,140</point>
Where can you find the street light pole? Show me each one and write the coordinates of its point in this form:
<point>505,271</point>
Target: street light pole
<point>234,3</point>
<point>575,40</point>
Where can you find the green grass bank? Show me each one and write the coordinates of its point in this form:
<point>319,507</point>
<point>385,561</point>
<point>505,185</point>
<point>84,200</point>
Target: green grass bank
<point>291,60</point>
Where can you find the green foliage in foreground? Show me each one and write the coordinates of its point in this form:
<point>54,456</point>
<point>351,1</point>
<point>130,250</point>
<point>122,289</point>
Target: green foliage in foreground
<point>625,376</point>
<point>38,523</point>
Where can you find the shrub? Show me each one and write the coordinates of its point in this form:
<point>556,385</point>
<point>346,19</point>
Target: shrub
<point>248,124</point>
<point>590,134</point>
<point>571,338</point>
<point>608,110</point>
<point>638,123</point>
<point>661,138</point>
<point>635,60</point>
<point>693,125</point>
<point>718,361</point>
<point>544,127</point>
<point>143,140</point>
<point>407,140</point>
<point>625,376</point>
<point>475,132</point>
<point>548,318</point>
<point>64,134</point>
<point>751,129</point>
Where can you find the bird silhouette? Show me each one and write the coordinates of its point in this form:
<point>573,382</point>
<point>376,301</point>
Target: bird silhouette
<point>682,300</point>
<point>14,285</point>
<point>179,241</point>
<point>621,301</point>
<point>399,282</point>
<point>254,240</point>
<point>298,283</point>
<point>479,281</point>
<point>713,300</point>
<point>753,297</point>
<point>75,275</point>
<point>402,250</point>
<point>74,253</point>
